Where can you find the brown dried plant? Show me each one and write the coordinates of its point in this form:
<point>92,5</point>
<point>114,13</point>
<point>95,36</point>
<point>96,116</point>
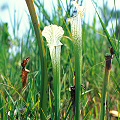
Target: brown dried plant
<point>25,72</point>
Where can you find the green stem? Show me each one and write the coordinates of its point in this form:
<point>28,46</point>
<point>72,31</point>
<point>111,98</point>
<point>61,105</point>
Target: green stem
<point>43,88</point>
<point>78,70</point>
<point>103,102</point>
<point>56,72</point>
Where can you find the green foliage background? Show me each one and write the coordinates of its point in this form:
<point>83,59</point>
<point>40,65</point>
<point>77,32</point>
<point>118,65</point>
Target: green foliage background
<point>95,46</point>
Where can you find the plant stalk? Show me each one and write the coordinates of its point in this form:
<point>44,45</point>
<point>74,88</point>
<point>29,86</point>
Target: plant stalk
<point>44,81</point>
<point>76,28</point>
<point>56,72</point>
<point>78,70</point>
<point>103,102</point>
<point>104,89</point>
<point>53,34</point>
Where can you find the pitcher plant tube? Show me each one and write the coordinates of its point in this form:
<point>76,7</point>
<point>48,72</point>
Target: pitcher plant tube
<point>53,35</point>
<point>76,29</point>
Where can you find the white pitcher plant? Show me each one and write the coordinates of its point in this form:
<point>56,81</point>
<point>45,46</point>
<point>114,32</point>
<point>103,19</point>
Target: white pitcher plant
<point>53,35</point>
<point>76,30</point>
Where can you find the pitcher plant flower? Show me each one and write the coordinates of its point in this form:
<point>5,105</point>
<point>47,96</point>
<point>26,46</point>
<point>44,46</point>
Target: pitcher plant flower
<point>76,30</point>
<point>53,35</point>
<point>76,24</point>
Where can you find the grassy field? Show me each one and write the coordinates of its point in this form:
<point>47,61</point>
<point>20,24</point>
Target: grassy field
<point>97,88</point>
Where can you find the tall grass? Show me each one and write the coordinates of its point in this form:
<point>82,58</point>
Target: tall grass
<point>39,103</point>
<point>43,64</point>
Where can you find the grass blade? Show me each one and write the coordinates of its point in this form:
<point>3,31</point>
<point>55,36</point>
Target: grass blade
<point>43,64</point>
<point>107,35</point>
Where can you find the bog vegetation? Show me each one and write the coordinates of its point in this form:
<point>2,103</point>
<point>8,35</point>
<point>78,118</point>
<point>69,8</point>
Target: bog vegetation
<point>30,90</point>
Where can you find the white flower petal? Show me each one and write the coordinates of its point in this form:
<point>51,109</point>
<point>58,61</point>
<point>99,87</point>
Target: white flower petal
<point>53,34</point>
